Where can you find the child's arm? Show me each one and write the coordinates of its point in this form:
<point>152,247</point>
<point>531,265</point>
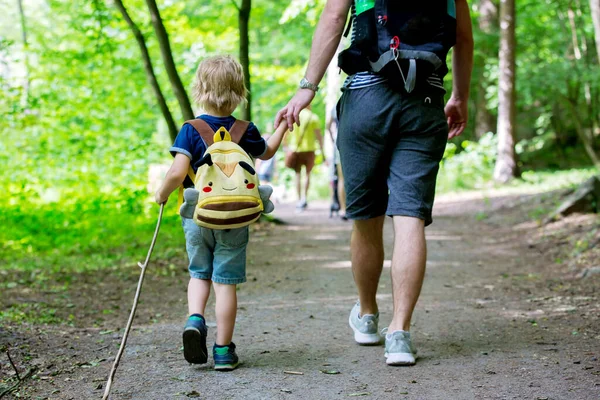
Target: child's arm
<point>174,178</point>
<point>274,142</point>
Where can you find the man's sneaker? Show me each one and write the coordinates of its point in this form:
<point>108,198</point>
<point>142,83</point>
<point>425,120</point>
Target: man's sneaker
<point>225,357</point>
<point>194,340</point>
<point>364,326</point>
<point>399,349</point>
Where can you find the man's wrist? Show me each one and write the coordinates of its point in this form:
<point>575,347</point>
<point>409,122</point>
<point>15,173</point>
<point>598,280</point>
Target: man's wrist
<point>306,84</point>
<point>459,97</point>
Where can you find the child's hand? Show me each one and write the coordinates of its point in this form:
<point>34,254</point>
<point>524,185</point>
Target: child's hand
<point>158,197</point>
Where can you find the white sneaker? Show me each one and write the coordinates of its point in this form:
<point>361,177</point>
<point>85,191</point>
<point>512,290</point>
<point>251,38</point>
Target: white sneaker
<point>364,327</point>
<point>399,349</point>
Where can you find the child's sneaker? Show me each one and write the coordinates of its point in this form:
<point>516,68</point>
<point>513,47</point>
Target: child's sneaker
<point>399,349</point>
<point>194,340</point>
<point>225,357</point>
<point>364,326</point>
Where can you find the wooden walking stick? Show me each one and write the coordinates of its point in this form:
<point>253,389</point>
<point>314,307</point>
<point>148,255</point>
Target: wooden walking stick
<point>135,302</point>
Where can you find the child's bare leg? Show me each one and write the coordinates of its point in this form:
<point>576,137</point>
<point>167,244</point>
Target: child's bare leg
<point>225,310</point>
<point>198,292</point>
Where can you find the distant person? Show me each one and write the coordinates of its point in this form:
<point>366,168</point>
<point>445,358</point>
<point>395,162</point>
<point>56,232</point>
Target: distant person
<point>301,147</point>
<point>266,168</point>
<point>393,129</point>
<point>216,257</point>
<point>338,201</point>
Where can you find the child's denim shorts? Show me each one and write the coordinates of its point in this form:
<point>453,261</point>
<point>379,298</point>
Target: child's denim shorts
<point>216,255</point>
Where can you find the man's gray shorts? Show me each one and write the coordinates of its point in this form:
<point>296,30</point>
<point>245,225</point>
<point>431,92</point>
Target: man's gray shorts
<point>391,145</point>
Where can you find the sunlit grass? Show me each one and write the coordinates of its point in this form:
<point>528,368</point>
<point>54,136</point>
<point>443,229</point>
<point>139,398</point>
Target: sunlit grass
<point>90,235</point>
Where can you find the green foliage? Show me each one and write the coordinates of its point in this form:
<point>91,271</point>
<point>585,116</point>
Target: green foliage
<point>469,166</point>
<point>34,313</point>
<point>90,234</point>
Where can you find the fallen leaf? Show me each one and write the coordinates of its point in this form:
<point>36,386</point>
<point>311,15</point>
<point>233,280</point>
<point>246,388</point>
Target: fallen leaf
<point>330,371</point>
<point>193,393</point>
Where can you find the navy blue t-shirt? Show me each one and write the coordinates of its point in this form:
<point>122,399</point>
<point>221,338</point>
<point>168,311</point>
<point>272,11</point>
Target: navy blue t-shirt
<point>190,143</point>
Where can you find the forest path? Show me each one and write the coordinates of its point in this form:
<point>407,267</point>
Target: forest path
<point>492,322</point>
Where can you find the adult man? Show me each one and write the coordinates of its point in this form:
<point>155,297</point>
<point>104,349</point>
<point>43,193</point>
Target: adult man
<point>391,140</point>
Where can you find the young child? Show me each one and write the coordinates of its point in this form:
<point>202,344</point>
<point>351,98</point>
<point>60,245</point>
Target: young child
<point>216,257</point>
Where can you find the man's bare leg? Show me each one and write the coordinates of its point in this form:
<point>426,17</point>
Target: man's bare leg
<point>408,269</point>
<point>366,247</point>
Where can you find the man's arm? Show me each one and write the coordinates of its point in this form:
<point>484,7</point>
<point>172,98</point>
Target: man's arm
<point>462,65</point>
<point>325,42</point>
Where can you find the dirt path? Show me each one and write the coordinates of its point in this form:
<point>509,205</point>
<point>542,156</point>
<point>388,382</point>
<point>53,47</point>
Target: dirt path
<point>495,320</point>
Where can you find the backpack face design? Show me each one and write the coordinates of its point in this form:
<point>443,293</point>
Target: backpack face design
<point>227,185</point>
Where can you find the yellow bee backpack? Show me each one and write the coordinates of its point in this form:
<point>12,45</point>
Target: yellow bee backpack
<point>226,193</point>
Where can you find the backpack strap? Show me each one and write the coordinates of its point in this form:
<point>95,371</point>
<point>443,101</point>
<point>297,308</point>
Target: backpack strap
<point>203,129</point>
<point>238,129</point>
<point>206,133</point>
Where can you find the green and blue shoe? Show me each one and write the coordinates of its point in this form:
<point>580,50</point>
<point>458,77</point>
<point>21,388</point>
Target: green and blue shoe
<point>225,357</point>
<point>194,340</point>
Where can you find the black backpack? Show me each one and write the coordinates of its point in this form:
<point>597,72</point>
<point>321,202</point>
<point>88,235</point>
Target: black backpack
<point>404,40</point>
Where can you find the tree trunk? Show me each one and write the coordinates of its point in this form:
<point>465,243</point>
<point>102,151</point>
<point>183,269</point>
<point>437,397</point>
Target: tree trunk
<point>485,121</point>
<point>160,99</point>
<point>506,164</point>
<point>243,20</point>
<point>26,81</point>
<point>167,56</point>
<point>595,9</point>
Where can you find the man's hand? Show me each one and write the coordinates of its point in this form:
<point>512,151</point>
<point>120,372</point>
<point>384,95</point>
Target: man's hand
<point>456,112</point>
<point>291,112</point>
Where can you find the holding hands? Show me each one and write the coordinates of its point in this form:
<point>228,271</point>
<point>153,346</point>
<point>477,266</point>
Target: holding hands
<point>290,114</point>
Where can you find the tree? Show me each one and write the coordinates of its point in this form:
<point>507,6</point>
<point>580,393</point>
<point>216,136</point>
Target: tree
<point>167,56</point>
<point>488,23</point>
<point>150,75</point>
<point>595,9</point>
<point>243,22</point>
<point>25,52</point>
<point>506,163</point>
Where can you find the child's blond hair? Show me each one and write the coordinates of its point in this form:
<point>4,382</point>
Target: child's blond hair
<point>219,85</point>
